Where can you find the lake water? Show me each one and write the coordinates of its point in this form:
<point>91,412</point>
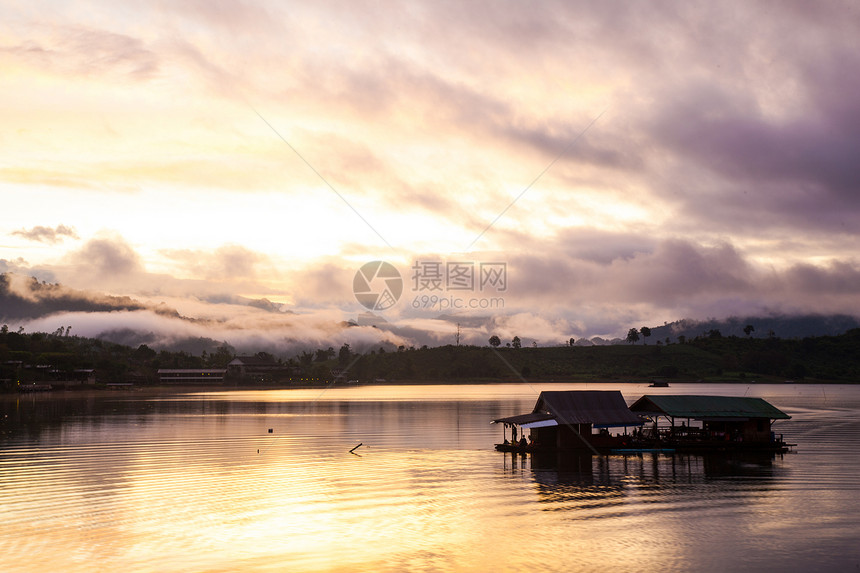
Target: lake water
<point>195,482</point>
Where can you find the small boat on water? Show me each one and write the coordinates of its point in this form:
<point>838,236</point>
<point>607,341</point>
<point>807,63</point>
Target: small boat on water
<point>601,422</point>
<point>658,384</point>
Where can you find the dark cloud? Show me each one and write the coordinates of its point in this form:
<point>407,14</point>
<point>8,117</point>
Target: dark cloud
<point>575,143</point>
<point>761,131</point>
<point>735,142</point>
<point>670,273</point>
<point>603,246</point>
<point>48,235</point>
<point>836,278</point>
<point>28,298</point>
<point>649,281</point>
<point>678,269</point>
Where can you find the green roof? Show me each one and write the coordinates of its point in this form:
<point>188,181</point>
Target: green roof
<point>700,407</point>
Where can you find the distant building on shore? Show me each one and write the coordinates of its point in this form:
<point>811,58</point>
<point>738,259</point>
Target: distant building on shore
<point>191,376</point>
<point>254,366</point>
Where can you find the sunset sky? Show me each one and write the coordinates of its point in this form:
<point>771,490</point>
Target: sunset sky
<point>629,163</point>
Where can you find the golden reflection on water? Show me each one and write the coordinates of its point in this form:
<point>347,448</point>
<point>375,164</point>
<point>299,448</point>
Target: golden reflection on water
<point>197,483</point>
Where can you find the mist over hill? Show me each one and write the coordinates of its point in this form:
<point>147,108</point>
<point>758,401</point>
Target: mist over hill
<point>28,298</point>
<point>251,325</point>
<point>189,324</point>
<point>779,326</point>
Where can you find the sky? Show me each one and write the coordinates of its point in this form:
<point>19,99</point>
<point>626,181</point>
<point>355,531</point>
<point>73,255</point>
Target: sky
<point>617,164</point>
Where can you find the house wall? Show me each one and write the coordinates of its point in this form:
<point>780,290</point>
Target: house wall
<point>545,437</point>
<point>568,438</point>
<point>757,430</point>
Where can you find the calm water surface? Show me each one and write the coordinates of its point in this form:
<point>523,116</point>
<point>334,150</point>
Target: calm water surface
<point>195,482</point>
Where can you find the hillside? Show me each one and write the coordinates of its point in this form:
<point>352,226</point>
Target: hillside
<point>831,358</point>
<point>781,326</point>
<point>31,357</point>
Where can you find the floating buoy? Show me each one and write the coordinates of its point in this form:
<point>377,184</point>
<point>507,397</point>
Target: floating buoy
<point>271,430</point>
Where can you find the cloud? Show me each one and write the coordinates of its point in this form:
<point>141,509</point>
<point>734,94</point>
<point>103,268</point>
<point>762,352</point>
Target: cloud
<point>19,266</point>
<point>107,257</point>
<point>251,331</point>
<point>27,298</point>
<point>168,321</point>
<point>673,278</point>
<point>603,247</point>
<point>225,263</point>
<point>563,294</point>
<point>228,273</point>
<point>85,51</point>
<point>22,267</point>
<point>532,328</point>
<point>789,165</point>
<point>48,235</point>
<point>720,180</point>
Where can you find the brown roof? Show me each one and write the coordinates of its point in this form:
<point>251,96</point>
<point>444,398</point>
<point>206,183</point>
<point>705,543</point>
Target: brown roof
<point>597,407</point>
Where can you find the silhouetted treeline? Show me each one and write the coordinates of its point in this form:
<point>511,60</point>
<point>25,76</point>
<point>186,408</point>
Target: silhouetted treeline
<point>28,357</point>
<point>39,356</point>
<point>714,358</point>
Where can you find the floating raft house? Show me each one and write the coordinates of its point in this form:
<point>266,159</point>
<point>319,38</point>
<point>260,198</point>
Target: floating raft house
<point>566,420</point>
<point>708,422</point>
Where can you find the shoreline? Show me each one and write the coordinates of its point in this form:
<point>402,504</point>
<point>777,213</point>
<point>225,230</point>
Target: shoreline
<point>156,390</point>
